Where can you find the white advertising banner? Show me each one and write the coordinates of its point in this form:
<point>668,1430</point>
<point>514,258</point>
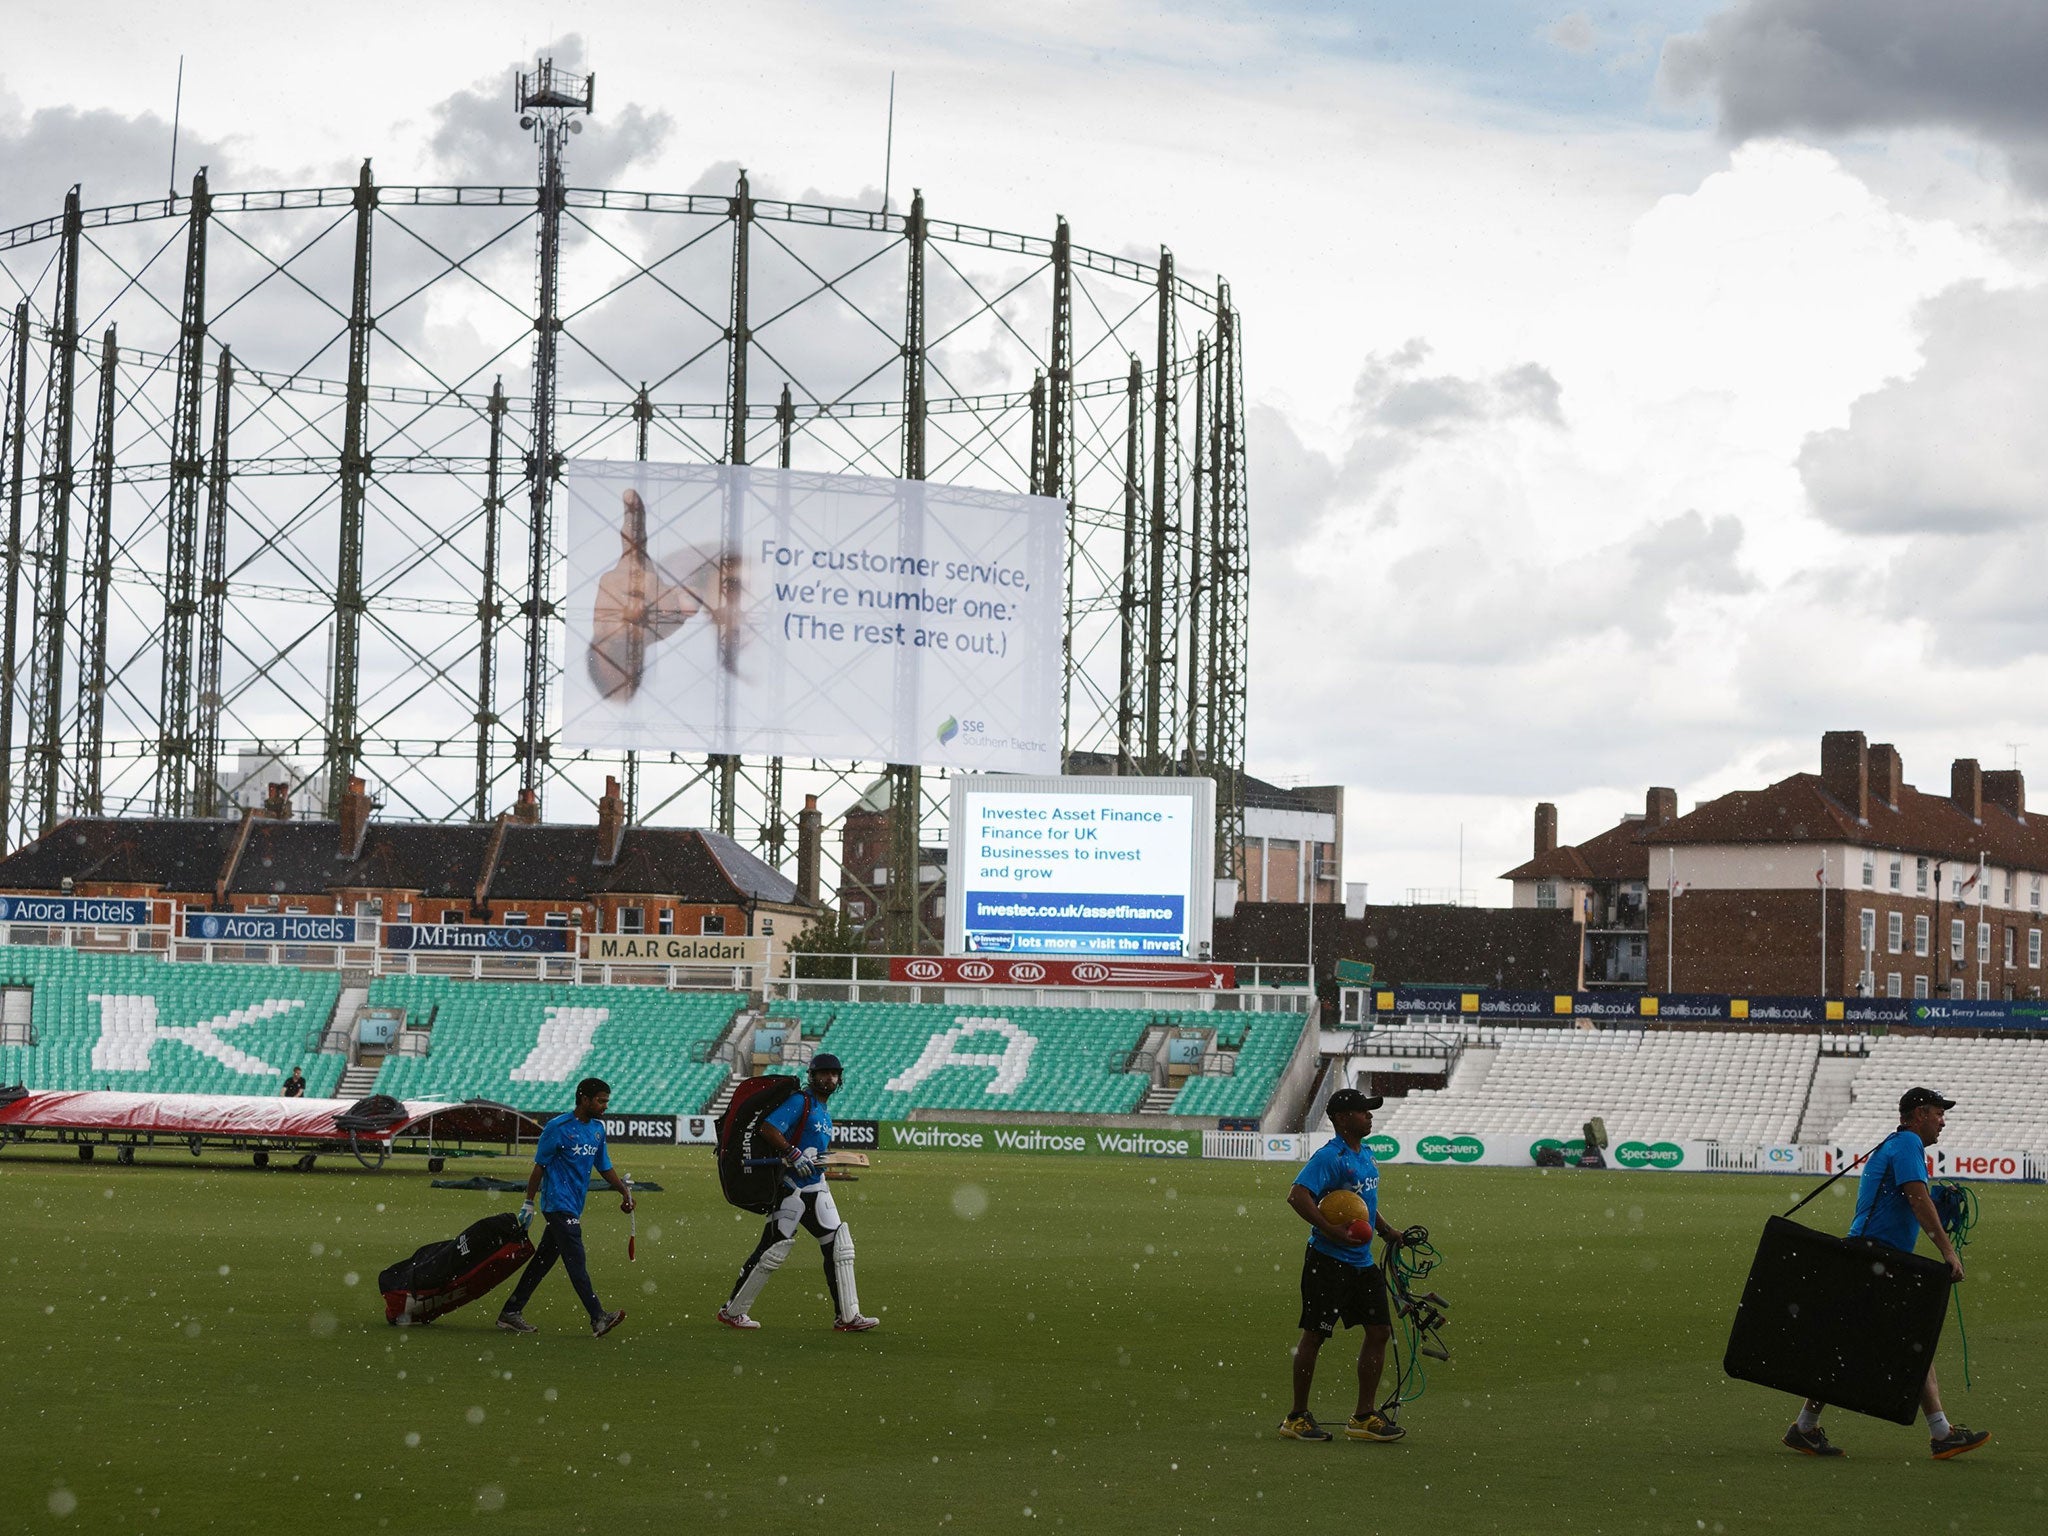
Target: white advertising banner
<point>722,608</point>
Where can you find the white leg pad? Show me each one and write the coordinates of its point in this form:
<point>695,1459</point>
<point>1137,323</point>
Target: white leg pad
<point>750,1289</point>
<point>842,1266</point>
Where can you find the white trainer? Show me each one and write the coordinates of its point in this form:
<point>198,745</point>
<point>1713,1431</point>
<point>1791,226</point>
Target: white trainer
<point>736,1319</point>
<point>856,1324</point>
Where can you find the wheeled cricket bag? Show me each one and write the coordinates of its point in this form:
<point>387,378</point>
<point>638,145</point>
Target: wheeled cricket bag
<point>749,1172</point>
<point>443,1276</point>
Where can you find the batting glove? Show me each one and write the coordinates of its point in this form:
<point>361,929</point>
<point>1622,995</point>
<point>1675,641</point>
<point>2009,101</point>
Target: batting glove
<point>526,1213</point>
<point>806,1161</point>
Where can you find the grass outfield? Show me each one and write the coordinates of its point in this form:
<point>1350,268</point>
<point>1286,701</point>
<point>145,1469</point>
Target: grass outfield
<point>1095,1344</point>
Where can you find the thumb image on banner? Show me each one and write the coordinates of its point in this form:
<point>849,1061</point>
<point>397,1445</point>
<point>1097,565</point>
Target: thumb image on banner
<point>735,609</point>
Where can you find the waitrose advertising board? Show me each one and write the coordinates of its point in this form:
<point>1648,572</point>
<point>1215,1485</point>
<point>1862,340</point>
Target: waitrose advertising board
<point>1069,1140</point>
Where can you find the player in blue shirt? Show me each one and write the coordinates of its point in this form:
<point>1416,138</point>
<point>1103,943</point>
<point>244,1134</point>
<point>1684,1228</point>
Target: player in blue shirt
<point>800,1129</point>
<point>1339,1280</point>
<point>570,1147</point>
<point>1894,1208</point>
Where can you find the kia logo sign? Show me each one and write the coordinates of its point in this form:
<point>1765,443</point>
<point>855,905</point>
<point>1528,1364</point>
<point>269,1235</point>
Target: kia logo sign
<point>1026,970</point>
<point>976,970</point>
<point>924,970</point>
<point>1091,972</point>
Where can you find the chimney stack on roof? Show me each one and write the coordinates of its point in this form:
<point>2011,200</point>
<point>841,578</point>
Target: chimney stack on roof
<point>1887,773</point>
<point>611,821</point>
<point>356,806</point>
<point>1546,828</point>
<point>1845,770</point>
<point>810,849</point>
<point>1966,787</point>
<point>1660,806</point>
<point>2006,788</point>
<point>277,802</point>
<point>526,809</point>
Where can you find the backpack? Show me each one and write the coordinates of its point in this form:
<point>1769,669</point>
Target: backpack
<point>749,1173</point>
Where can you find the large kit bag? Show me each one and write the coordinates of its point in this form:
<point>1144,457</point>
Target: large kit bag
<point>1843,1320</point>
<point>443,1276</point>
<point>749,1173</point>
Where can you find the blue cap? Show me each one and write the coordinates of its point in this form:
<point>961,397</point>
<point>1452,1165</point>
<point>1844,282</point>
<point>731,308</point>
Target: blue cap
<point>825,1061</point>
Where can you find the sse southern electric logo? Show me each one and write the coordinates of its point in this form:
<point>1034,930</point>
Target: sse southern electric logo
<point>948,730</point>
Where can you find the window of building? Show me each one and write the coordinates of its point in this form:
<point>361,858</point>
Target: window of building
<point>632,919</point>
<point>371,906</point>
<point>1869,870</point>
<point>1983,943</point>
<point>1920,876</point>
<point>2008,887</point>
<point>405,912</point>
<point>1869,930</point>
<point>768,927</point>
<point>1955,987</point>
<point>555,920</point>
<point>514,919</point>
<point>1546,893</point>
<point>2033,949</point>
<point>2011,939</point>
<point>1892,985</point>
<point>451,917</point>
<point>1895,933</point>
<point>1920,934</point>
<point>2034,893</point>
<point>1983,991</point>
<point>1919,986</point>
<point>1955,940</point>
<point>1898,873</point>
<point>667,920</point>
<point>714,922</point>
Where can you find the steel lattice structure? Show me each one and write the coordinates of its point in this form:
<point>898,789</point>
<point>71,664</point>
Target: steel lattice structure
<point>278,473</point>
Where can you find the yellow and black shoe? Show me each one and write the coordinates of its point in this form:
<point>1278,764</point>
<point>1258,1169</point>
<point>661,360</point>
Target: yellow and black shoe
<point>1303,1426</point>
<point>1373,1427</point>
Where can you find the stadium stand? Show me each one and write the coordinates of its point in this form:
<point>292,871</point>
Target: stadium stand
<point>1264,1042</point>
<point>527,1045</point>
<point>2000,1088</point>
<point>1703,1085</point>
<point>136,1023</point>
<point>901,1057</point>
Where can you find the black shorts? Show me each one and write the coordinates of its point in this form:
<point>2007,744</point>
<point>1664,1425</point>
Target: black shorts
<point>1333,1291</point>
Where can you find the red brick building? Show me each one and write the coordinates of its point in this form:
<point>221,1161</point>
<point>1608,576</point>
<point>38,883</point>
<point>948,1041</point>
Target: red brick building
<point>1835,883</point>
<point>607,878</point>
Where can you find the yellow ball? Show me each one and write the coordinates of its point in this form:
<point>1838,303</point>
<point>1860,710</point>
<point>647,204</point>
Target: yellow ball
<point>1342,1207</point>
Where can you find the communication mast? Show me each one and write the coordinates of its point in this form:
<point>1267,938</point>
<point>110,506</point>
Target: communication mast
<point>552,104</point>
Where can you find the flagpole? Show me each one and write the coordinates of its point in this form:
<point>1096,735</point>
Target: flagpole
<point>1823,922</point>
<point>1978,936</point>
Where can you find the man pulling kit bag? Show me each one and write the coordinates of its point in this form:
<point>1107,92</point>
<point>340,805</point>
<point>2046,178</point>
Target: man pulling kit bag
<point>445,1275</point>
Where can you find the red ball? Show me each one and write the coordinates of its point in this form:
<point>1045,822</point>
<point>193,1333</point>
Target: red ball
<point>1359,1231</point>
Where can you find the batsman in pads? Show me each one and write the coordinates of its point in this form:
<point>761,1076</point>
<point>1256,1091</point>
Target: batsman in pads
<point>799,1130</point>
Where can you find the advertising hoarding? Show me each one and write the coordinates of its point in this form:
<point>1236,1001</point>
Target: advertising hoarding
<point>269,928</point>
<point>998,971</point>
<point>1081,865</point>
<point>75,911</point>
<point>728,608</point>
<point>465,938</point>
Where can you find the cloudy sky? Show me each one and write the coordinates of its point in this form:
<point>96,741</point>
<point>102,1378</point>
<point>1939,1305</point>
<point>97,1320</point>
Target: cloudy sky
<point>1638,391</point>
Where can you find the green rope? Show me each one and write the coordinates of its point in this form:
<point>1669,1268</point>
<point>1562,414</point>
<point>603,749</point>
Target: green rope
<point>1957,1205</point>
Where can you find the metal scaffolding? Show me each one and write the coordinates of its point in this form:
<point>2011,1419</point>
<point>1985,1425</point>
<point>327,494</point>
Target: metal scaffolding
<point>320,576</point>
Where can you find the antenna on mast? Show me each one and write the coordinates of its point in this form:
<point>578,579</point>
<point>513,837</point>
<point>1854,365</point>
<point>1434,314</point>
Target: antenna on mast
<point>889,145</point>
<point>177,113</point>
